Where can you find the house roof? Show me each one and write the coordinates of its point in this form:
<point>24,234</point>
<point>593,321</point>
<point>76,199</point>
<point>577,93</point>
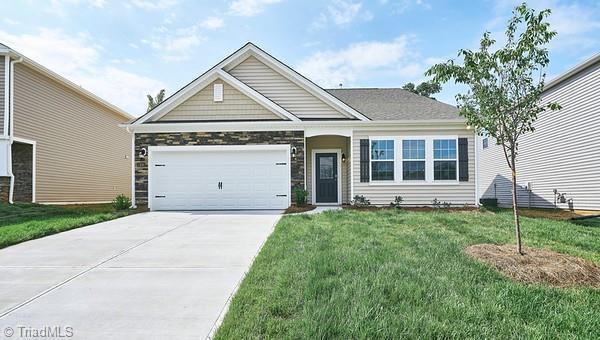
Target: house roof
<point>394,104</point>
<point>55,76</point>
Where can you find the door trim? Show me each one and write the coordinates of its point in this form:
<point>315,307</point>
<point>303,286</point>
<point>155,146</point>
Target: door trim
<point>153,149</point>
<point>313,179</point>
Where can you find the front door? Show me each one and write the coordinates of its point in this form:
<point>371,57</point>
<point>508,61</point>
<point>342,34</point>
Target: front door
<point>326,180</point>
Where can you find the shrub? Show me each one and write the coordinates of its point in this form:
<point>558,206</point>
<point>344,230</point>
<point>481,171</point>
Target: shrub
<point>121,202</point>
<point>360,201</point>
<point>439,204</point>
<point>396,202</point>
<point>300,196</point>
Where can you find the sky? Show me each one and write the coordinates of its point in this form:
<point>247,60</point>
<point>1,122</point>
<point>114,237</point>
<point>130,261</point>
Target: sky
<point>122,50</point>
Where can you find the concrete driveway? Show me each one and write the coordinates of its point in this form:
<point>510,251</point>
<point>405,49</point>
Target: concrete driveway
<point>156,275</point>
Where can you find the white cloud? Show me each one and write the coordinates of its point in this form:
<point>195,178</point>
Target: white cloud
<point>249,8</point>
<point>212,23</point>
<point>79,59</point>
<point>341,13</point>
<point>576,23</point>
<point>362,61</point>
<point>153,4</point>
<point>10,21</point>
<point>175,44</point>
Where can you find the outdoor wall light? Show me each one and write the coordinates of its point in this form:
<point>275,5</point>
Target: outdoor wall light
<point>143,152</point>
<point>294,151</point>
<point>343,158</point>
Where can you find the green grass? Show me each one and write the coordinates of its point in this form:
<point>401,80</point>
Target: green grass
<point>392,275</point>
<point>23,222</point>
<point>589,222</point>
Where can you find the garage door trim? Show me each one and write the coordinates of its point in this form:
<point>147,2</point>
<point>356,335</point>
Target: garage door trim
<point>217,148</point>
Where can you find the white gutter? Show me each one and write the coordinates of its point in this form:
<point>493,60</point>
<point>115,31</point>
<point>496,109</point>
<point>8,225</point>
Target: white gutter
<point>12,127</point>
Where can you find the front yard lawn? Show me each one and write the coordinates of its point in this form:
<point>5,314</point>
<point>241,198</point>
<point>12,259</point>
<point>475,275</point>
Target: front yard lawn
<point>396,274</point>
<point>23,222</point>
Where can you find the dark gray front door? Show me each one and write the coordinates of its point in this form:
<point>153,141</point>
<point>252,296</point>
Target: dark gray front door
<point>326,180</point>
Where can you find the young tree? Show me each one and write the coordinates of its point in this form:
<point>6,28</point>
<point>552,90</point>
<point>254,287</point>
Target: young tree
<point>505,85</point>
<point>153,102</point>
<point>426,88</point>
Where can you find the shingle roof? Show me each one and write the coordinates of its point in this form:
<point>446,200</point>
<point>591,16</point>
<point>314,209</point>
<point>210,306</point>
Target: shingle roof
<point>394,104</point>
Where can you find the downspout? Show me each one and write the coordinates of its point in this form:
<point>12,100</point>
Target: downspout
<point>133,204</point>
<point>476,169</point>
<point>11,118</point>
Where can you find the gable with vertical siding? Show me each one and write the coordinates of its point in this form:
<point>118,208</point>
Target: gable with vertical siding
<point>283,91</point>
<point>235,106</point>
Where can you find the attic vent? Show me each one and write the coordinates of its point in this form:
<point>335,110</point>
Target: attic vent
<point>218,93</point>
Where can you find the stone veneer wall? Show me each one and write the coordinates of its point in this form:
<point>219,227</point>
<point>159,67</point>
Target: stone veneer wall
<point>4,189</point>
<point>22,168</point>
<point>143,140</point>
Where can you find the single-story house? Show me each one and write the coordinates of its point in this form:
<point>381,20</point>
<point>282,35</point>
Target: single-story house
<point>58,142</point>
<point>248,130</point>
<point>558,164</point>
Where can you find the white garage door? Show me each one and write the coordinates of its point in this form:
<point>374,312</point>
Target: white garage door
<point>219,177</point>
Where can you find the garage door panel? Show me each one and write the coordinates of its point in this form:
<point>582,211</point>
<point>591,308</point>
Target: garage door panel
<point>188,180</point>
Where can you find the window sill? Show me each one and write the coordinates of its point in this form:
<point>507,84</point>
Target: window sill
<point>414,183</point>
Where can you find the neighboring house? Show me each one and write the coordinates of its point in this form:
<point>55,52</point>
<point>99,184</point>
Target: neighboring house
<point>247,131</point>
<point>561,154</point>
<point>58,142</point>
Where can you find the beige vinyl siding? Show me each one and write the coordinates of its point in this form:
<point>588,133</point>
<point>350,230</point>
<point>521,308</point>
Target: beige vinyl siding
<point>3,99</point>
<point>328,142</point>
<point>414,194</point>
<point>82,155</point>
<point>561,154</point>
<point>282,91</point>
<point>235,106</point>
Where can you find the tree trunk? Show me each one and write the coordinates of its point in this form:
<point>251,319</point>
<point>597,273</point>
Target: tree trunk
<point>515,204</point>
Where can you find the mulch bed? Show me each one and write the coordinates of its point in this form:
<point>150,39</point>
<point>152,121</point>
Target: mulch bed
<point>538,265</point>
<point>426,209</point>
<point>293,209</point>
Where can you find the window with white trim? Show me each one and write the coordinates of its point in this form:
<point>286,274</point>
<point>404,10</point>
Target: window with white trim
<point>413,159</point>
<point>382,160</point>
<point>445,160</point>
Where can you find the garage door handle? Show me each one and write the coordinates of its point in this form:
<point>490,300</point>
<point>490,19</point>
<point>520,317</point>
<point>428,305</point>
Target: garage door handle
<point>280,163</point>
<point>281,195</point>
<point>160,196</point>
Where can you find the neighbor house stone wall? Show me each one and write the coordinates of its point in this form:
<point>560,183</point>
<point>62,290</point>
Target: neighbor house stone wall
<point>144,140</point>
<point>4,189</point>
<point>22,168</point>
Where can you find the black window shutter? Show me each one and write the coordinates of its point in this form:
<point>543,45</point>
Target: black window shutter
<point>364,160</point>
<point>463,160</point>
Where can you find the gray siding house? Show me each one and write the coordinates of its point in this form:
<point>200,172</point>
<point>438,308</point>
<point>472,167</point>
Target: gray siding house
<point>247,131</point>
<point>562,154</point>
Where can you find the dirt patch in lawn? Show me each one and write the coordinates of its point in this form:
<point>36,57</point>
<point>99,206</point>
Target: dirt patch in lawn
<point>556,214</point>
<point>294,209</point>
<point>538,265</point>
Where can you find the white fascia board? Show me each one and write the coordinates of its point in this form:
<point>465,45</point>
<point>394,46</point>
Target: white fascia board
<point>426,125</point>
<point>253,94</point>
<point>250,49</point>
